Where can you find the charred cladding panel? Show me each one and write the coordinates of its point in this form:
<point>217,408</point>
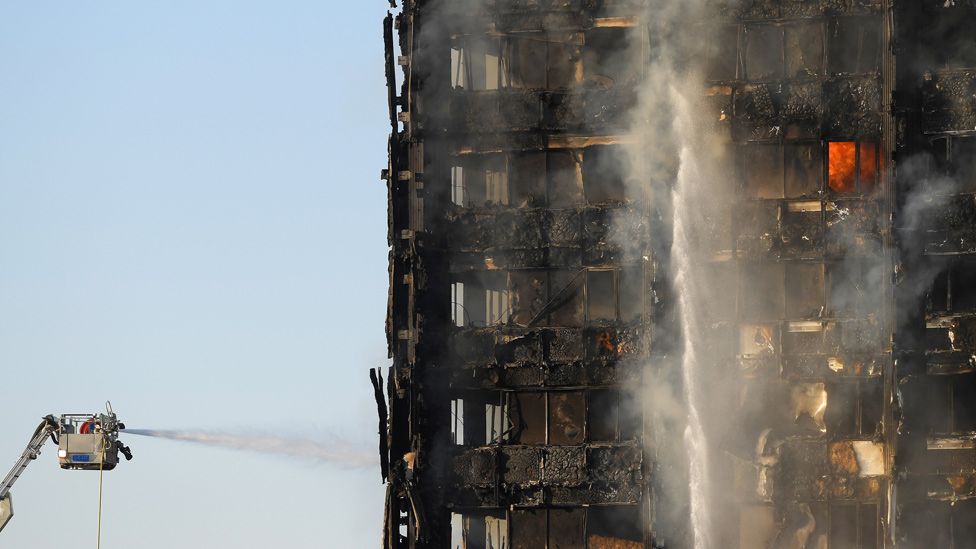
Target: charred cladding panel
<point>684,274</point>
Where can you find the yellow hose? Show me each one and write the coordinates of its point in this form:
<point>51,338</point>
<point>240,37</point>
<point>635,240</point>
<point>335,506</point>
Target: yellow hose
<point>101,465</point>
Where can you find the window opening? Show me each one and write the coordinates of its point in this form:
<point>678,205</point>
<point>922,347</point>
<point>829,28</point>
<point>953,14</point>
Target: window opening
<point>601,303</point>
<point>762,291</point>
<point>764,52</point>
<point>566,418</point>
<point>854,525</point>
<point>804,169</point>
<point>763,169</point>
<point>528,180</point>
<point>805,290</point>
<point>603,168</point>
<point>497,424</point>
<point>804,50</point>
<point>854,288</point>
<point>529,528</point>
<point>480,299</point>
<point>630,294</point>
<point>614,527</point>
<point>530,414</point>
<point>854,45</point>
<point>542,60</point>
<point>602,51</point>
<point>496,181</point>
<point>476,64</point>
<point>758,340</point>
<point>457,186</point>
<point>565,179</point>
<point>612,415</point>
<point>480,181</point>
<point>723,54</point>
<point>458,314</point>
<point>566,528</point>
<point>480,530</point>
<point>854,408</point>
<point>457,421</point>
<point>852,166</point>
<point>962,160</point>
<point>538,296</point>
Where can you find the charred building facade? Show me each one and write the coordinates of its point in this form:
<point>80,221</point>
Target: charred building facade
<point>570,310</point>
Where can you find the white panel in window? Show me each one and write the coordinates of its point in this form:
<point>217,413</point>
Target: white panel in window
<point>458,68</point>
<point>457,304</point>
<point>457,185</point>
<point>496,307</point>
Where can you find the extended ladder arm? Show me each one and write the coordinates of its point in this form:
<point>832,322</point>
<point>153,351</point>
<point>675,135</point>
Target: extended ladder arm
<point>47,428</point>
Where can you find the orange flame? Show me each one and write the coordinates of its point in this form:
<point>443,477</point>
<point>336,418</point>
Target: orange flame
<point>840,173</point>
<point>604,342</point>
<point>869,166</point>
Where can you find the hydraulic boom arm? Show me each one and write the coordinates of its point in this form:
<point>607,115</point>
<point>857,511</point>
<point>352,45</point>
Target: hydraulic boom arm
<point>47,428</point>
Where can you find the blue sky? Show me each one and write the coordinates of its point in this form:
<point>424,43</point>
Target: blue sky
<point>192,225</point>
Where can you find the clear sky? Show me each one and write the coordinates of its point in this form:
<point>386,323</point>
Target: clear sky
<point>192,225</point>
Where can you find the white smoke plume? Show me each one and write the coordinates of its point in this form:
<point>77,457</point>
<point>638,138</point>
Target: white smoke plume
<point>333,450</point>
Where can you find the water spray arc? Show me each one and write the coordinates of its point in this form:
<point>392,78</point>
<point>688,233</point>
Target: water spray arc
<point>696,443</point>
<point>331,450</point>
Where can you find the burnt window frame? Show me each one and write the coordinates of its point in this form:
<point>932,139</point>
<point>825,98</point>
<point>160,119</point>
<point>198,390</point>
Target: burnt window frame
<point>757,317</point>
<point>834,25</point>
<point>945,149</point>
<point>569,290</point>
<point>744,51</point>
<point>479,163</point>
<point>505,49</point>
<point>627,427</point>
<point>464,164</point>
<point>587,53</point>
<point>778,326</point>
<point>589,523</point>
<point>458,431</point>
<point>860,188</point>
<point>843,508</point>
<point>472,417</point>
<point>795,26</point>
<point>948,385</point>
<point>725,33</point>
<point>511,405</point>
<point>551,43</point>
<point>550,178</point>
<point>863,388</point>
<point>785,148</point>
<point>865,304</point>
<point>459,282</point>
<point>615,154</point>
<point>774,343</point>
<point>464,517</point>
<point>790,282</point>
<point>618,273</point>
<point>943,285</point>
<point>460,64</point>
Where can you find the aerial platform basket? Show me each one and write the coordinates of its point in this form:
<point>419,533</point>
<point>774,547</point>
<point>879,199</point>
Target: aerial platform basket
<point>88,442</point>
